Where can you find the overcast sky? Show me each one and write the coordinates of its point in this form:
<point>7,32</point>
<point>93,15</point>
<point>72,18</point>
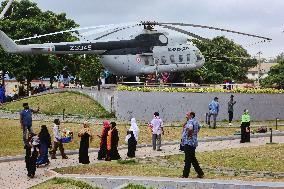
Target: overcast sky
<point>260,17</point>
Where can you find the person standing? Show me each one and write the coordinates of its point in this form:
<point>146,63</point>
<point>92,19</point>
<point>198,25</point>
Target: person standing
<point>86,136</point>
<point>181,146</point>
<point>132,138</point>
<point>156,126</point>
<point>190,142</point>
<point>31,154</point>
<point>26,120</point>
<point>112,143</point>
<point>57,141</point>
<point>231,104</point>
<point>2,94</point>
<point>103,143</point>
<point>245,127</point>
<point>45,143</point>
<point>213,111</point>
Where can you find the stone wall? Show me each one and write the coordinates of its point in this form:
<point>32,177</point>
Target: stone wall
<point>173,106</point>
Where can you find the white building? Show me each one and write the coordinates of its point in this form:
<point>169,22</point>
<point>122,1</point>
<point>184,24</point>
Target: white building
<point>262,69</point>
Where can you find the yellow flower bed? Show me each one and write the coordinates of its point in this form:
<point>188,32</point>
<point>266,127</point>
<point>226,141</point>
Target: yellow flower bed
<point>201,90</point>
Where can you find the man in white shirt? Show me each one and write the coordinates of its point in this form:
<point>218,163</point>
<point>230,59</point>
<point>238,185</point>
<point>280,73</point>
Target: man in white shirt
<point>156,126</point>
<point>57,141</point>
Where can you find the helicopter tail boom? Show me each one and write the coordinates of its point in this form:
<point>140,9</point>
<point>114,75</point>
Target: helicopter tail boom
<point>7,43</point>
<point>56,48</point>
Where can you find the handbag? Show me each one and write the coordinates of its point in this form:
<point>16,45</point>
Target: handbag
<point>181,147</point>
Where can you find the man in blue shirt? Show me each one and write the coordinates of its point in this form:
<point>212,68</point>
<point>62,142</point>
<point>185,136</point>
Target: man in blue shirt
<point>213,110</point>
<point>26,120</point>
<point>190,142</point>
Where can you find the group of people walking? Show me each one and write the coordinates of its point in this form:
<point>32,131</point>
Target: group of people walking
<point>37,145</point>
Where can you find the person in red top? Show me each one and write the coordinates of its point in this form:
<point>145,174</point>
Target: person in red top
<point>103,143</point>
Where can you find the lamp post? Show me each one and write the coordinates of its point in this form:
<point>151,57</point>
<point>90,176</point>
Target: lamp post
<point>258,68</point>
<point>276,124</point>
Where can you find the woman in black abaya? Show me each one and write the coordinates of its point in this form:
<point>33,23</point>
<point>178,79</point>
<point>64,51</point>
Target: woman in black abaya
<point>132,138</point>
<point>86,136</point>
<point>112,143</point>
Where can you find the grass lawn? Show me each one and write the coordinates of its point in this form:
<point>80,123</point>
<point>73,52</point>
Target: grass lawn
<point>263,158</point>
<point>74,104</point>
<point>64,183</point>
<point>13,145</point>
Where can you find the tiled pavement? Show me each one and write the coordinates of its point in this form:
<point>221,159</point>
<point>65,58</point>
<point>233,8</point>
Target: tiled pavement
<point>13,174</point>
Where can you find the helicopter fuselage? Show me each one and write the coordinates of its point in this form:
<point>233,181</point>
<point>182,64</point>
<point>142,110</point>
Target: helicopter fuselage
<point>147,53</point>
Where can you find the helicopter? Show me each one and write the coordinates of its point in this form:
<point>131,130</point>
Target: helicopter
<point>150,51</point>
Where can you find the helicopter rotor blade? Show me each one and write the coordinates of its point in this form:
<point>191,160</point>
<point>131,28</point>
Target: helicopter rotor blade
<point>59,32</point>
<point>215,28</point>
<point>185,32</point>
<point>116,30</point>
<point>6,8</point>
<point>100,28</point>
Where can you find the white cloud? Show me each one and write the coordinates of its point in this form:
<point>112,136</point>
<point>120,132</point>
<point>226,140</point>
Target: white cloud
<point>259,17</point>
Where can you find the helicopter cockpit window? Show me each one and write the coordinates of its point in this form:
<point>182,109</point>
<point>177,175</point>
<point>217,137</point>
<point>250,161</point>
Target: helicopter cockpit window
<point>172,58</point>
<point>146,60</point>
<point>180,58</point>
<point>198,56</point>
<point>164,60</point>
<point>188,57</point>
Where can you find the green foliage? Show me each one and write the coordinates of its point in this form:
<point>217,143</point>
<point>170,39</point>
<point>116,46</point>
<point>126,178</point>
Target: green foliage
<point>200,90</point>
<point>278,58</point>
<point>128,161</point>
<point>275,76</point>
<point>72,102</point>
<point>63,183</point>
<point>225,60</point>
<point>25,19</point>
<point>265,158</point>
<point>135,186</point>
<point>90,70</point>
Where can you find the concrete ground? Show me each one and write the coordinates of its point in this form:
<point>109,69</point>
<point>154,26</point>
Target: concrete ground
<point>13,174</point>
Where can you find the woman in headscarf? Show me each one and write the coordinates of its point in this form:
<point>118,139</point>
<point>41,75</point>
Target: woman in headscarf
<point>45,143</point>
<point>31,154</point>
<point>132,138</point>
<point>86,136</point>
<point>112,143</point>
<point>103,143</point>
<point>245,127</point>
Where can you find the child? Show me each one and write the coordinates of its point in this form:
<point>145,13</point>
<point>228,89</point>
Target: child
<point>31,154</point>
<point>45,143</point>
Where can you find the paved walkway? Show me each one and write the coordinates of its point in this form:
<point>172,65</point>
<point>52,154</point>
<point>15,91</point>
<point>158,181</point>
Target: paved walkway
<point>13,174</point>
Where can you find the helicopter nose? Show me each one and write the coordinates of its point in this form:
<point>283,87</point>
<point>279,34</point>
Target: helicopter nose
<point>200,60</point>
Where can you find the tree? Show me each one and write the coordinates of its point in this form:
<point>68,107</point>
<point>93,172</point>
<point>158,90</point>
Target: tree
<point>275,76</point>
<point>90,70</point>
<point>25,19</point>
<point>224,60</point>
<point>279,57</point>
